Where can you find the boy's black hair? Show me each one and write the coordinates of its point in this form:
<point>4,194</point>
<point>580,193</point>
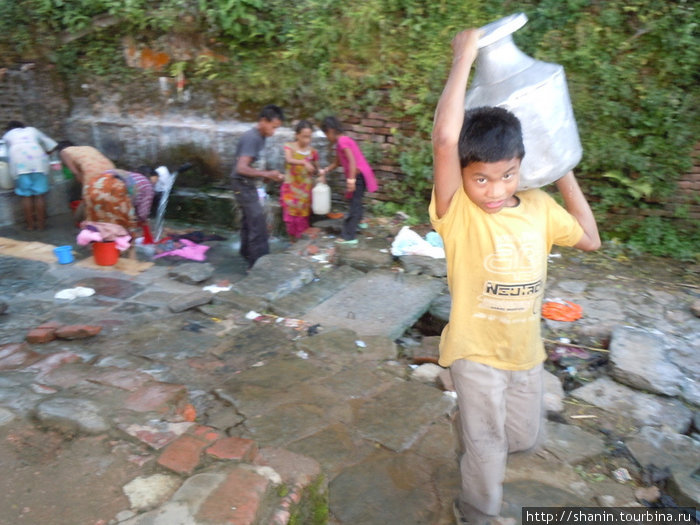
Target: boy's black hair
<point>331,123</point>
<point>303,124</point>
<point>14,124</point>
<point>490,134</point>
<point>271,112</point>
<point>63,145</point>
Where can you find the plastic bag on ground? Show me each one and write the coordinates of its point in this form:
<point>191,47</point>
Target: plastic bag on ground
<point>408,242</point>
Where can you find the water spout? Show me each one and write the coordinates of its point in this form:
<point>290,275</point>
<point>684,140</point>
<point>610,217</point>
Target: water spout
<point>168,186</point>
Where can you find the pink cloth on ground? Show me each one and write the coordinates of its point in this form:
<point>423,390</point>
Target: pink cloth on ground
<point>191,250</point>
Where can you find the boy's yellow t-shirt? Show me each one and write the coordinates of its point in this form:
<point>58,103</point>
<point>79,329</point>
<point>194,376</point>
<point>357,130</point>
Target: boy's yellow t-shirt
<point>496,272</point>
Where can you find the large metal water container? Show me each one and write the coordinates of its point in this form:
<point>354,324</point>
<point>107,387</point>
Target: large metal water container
<point>536,93</point>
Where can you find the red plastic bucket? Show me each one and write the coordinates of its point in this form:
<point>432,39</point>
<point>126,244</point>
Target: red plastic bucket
<point>105,253</point>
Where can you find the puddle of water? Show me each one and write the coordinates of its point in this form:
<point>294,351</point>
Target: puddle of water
<point>110,287</point>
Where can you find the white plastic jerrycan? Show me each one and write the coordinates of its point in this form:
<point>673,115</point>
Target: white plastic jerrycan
<point>321,199</point>
<point>533,91</point>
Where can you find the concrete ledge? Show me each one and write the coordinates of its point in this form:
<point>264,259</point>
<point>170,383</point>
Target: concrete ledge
<point>56,203</point>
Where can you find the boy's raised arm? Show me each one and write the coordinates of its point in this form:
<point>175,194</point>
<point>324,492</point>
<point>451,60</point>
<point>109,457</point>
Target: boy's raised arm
<point>577,205</point>
<point>448,120</point>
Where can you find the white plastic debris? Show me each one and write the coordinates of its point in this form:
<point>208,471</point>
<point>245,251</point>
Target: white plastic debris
<point>302,354</point>
<point>360,344</point>
<point>428,373</point>
<point>450,393</point>
<point>408,242</point>
<point>213,288</point>
<point>252,315</point>
<point>74,293</point>
<point>622,475</point>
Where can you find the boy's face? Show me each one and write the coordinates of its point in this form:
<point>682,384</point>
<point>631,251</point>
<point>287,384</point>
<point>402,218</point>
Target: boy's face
<point>268,127</point>
<point>492,185</point>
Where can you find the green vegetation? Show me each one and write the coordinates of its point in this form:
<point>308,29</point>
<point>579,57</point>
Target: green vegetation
<point>632,68</point>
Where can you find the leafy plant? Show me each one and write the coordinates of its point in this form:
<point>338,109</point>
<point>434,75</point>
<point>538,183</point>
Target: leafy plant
<point>631,67</point>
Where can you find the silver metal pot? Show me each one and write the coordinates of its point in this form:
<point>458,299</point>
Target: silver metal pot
<point>536,93</point>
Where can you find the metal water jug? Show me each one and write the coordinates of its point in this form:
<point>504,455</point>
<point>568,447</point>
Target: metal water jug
<point>536,93</point>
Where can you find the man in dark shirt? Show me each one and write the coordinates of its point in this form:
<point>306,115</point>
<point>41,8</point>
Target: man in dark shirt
<point>254,227</point>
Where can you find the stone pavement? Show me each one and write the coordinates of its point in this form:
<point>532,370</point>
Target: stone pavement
<point>296,396</point>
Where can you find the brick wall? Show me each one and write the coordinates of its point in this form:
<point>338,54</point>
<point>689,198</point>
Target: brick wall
<point>374,130</point>
<point>376,135</point>
<point>688,192</point>
<point>34,96</point>
<point>37,96</point>
<point>686,196</point>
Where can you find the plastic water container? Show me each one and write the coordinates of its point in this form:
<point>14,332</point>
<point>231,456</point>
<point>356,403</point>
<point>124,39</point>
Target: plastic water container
<point>536,92</point>
<point>105,253</point>
<point>321,199</point>
<point>64,254</point>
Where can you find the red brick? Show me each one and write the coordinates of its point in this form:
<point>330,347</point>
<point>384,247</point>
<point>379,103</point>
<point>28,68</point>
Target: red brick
<point>183,454</point>
<point>373,122</point>
<point>78,331</point>
<point>157,435</point>
<point>236,500</point>
<point>41,335</point>
<point>17,355</point>
<point>130,380</point>
<point>201,432</point>
<point>239,449</point>
<point>157,397</point>
<point>53,361</point>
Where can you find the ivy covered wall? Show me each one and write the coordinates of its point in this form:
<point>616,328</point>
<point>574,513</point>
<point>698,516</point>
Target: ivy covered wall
<point>632,67</point>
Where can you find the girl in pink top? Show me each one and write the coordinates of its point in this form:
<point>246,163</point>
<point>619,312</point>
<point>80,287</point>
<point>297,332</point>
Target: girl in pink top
<point>358,175</point>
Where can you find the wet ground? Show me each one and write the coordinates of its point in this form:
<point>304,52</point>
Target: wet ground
<point>383,441</point>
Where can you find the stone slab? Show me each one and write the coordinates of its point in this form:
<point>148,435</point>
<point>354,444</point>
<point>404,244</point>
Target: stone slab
<point>421,264</point>
<point>72,415</point>
<point>638,358</point>
<point>678,452</point>
<point>397,417</point>
<point>328,283</point>
<point>274,276</point>
<point>385,489</point>
<point>382,303</point>
<point>366,256</point>
<point>572,444</point>
<point>646,409</point>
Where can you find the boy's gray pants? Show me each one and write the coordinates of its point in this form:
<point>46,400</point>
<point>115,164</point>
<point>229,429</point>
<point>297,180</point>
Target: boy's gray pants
<point>500,411</point>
